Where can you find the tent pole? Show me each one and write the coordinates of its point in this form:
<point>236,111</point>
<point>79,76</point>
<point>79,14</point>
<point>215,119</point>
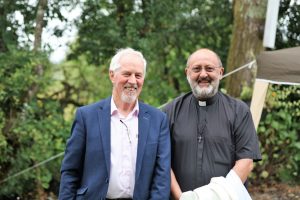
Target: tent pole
<point>258,100</point>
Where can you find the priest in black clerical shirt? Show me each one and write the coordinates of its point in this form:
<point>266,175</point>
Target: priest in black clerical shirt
<point>211,132</point>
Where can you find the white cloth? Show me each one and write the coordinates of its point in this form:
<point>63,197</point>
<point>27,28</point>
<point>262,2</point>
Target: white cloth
<point>124,140</point>
<point>234,180</point>
<point>220,188</point>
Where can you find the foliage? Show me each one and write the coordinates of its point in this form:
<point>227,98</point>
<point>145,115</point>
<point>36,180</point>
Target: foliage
<point>36,109</point>
<point>288,99</point>
<point>279,130</point>
<point>165,31</point>
<point>78,83</point>
<point>288,31</point>
<point>18,21</point>
<point>32,124</point>
<point>246,93</point>
<point>32,130</point>
<point>279,133</point>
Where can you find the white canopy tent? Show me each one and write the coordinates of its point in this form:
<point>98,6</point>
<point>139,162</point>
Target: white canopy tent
<point>276,67</point>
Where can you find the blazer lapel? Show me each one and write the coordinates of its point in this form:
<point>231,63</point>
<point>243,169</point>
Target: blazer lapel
<point>104,123</point>
<point>144,122</point>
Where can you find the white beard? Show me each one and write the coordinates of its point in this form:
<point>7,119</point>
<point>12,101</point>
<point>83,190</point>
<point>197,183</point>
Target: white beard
<point>129,96</point>
<point>203,93</point>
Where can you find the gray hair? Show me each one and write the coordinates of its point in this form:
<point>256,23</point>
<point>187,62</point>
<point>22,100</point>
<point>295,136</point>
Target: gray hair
<point>115,61</point>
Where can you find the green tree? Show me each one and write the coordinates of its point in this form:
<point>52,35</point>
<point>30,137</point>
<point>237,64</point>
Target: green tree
<point>32,126</point>
<point>165,31</point>
<point>288,31</point>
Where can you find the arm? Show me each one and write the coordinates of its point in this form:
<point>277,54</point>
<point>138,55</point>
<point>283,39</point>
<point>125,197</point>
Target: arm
<point>243,167</point>
<point>175,188</point>
<point>246,142</point>
<point>231,186</point>
<point>160,188</point>
<point>71,168</point>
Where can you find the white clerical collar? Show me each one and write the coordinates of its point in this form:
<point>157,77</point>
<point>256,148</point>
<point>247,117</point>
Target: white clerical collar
<point>202,103</point>
<point>208,101</point>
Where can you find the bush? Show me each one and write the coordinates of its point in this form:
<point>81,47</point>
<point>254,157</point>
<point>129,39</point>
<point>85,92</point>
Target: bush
<point>32,128</point>
<point>279,135</point>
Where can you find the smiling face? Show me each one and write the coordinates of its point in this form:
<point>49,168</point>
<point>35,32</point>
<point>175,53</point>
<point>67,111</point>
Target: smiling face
<point>204,73</point>
<point>128,79</point>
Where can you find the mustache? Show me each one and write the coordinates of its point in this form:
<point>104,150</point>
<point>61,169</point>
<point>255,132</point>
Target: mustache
<point>128,85</point>
<point>204,79</point>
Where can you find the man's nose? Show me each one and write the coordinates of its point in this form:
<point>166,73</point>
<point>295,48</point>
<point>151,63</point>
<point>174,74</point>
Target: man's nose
<point>203,72</point>
<point>132,79</point>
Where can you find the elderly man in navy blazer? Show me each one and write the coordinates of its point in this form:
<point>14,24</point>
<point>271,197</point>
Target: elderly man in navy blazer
<point>119,147</point>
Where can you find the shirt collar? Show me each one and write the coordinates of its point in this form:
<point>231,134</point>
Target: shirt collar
<point>114,109</point>
<point>209,101</point>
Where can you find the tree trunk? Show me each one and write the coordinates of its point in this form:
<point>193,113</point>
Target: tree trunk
<point>3,26</point>
<point>42,6</point>
<point>246,42</point>
<point>39,25</point>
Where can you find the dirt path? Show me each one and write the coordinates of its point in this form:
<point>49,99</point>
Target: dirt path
<point>275,192</point>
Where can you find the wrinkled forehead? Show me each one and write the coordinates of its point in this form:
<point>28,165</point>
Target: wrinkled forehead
<point>203,56</point>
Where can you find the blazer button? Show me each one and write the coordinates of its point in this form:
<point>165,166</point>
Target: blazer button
<point>106,180</point>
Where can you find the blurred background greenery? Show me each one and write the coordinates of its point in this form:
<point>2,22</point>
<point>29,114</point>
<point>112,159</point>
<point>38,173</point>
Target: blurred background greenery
<point>38,97</point>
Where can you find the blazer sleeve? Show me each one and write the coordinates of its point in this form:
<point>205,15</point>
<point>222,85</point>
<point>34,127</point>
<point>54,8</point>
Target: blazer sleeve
<point>162,173</point>
<point>71,169</point>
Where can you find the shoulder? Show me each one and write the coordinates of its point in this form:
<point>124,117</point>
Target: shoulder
<point>95,106</point>
<point>177,102</point>
<point>234,102</point>
<point>150,109</point>
<point>172,109</point>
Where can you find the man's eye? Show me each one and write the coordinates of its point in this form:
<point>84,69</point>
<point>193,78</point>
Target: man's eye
<point>209,69</point>
<point>196,69</point>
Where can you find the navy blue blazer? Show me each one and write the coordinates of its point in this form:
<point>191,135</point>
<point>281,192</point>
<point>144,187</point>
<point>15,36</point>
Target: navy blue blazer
<point>85,168</point>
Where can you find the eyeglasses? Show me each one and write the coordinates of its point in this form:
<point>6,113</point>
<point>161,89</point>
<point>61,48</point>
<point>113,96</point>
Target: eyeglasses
<point>127,131</point>
<point>208,68</point>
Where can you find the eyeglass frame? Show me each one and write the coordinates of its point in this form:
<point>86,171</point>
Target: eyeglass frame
<point>127,130</point>
<point>207,68</point>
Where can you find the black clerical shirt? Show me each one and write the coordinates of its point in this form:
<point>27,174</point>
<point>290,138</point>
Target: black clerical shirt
<point>208,137</point>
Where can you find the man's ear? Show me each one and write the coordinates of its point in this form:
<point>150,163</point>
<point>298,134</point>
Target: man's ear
<point>185,70</point>
<point>221,73</point>
<point>111,76</point>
